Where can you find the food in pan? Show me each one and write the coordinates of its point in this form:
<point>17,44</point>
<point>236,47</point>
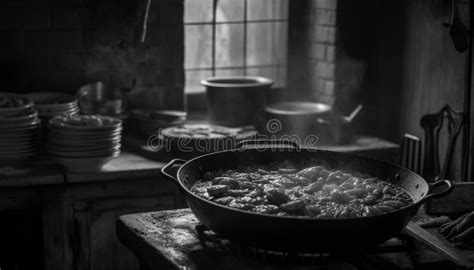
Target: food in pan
<point>84,120</point>
<point>317,192</point>
<point>11,102</point>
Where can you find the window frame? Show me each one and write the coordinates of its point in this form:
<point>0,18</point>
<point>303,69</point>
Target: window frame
<point>196,99</point>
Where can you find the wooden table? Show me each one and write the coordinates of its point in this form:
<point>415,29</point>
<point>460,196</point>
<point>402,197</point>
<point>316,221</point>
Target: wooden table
<point>168,240</point>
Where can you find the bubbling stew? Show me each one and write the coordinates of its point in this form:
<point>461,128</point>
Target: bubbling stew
<point>316,192</point>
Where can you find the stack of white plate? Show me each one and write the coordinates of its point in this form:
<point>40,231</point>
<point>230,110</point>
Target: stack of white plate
<point>84,142</point>
<point>19,129</point>
<point>49,105</point>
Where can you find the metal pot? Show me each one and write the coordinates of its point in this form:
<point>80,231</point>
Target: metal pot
<point>99,98</point>
<point>235,101</point>
<point>297,118</point>
<point>297,233</point>
<point>309,118</point>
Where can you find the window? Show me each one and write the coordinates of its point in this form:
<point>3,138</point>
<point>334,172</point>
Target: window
<point>235,37</point>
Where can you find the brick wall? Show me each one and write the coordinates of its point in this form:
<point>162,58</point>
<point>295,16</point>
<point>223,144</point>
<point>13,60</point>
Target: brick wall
<point>54,45</point>
<point>312,49</point>
<point>324,40</point>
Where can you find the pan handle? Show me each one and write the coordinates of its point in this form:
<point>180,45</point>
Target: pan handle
<point>260,143</point>
<point>441,193</point>
<point>171,164</point>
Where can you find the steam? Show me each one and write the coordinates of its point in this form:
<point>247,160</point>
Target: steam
<point>350,73</point>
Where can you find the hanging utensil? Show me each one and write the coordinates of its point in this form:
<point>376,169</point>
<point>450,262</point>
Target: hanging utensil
<point>457,29</point>
<point>142,28</point>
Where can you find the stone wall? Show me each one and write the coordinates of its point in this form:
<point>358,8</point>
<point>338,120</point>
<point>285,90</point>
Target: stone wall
<point>53,45</point>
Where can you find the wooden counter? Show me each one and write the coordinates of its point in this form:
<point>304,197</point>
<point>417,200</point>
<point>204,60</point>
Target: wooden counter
<point>127,166</point>
<point>78,210</point>
<point>140,161</point>
<point>43,171</point>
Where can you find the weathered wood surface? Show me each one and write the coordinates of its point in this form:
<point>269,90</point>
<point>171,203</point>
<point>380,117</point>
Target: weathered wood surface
<point>437,243</point>
<point>57,230</point>
<point>43,171</point>
<point>168,240</point>
<point>128,165</point>
<point>460,200</point>
<point>83,220</point>
<point>79,218</point>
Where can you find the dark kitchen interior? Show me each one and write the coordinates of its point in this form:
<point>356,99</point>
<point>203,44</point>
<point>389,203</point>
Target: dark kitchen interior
<point>236,134</point>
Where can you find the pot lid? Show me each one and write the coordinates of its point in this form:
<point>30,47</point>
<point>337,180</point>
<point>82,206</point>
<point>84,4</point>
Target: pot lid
<point>298,108</point>
<point>236,81</point>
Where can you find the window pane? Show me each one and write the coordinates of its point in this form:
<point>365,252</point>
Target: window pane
<point>229,45</point>
<point>230,72</point>
<point>267,10</point>
<point>265,46</point>
<point>198,44</point>
<point>266,43</point>
<point>198,11</point>
<point>193,80</point>
<point>277,74</point>
<point>230,10</point>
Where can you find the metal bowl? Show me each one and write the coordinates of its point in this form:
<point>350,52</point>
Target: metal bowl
<point>96,98</point>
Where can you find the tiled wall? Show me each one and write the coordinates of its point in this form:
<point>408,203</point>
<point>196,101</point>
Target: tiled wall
<point>54,45</point>
<point>312,49</point>
<point>324,39</point>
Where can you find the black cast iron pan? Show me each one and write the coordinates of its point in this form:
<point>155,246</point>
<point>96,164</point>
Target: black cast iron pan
<point>297,234</point>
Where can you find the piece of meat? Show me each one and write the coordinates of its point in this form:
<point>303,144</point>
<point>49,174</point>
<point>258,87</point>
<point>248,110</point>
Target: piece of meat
<point>217,191</point>
<point>276,196</point>
<point>313,187</point>
<point>311,173</point>
<point>293,205</point>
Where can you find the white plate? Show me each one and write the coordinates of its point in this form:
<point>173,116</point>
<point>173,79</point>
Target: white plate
<point>90,131</point>
<point>83,148</point>
<point>15,142</point>
<point>20,124</point>
<point>14,153</point>
<point>63,129</point>
<point>81,154</point>
<point>82,141</point>
<point>22,118</point>
<point>116,125</point>
<point>52,113</point>
<point>84,138</point>
<point>20,134</point>
<point>15,110</point>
